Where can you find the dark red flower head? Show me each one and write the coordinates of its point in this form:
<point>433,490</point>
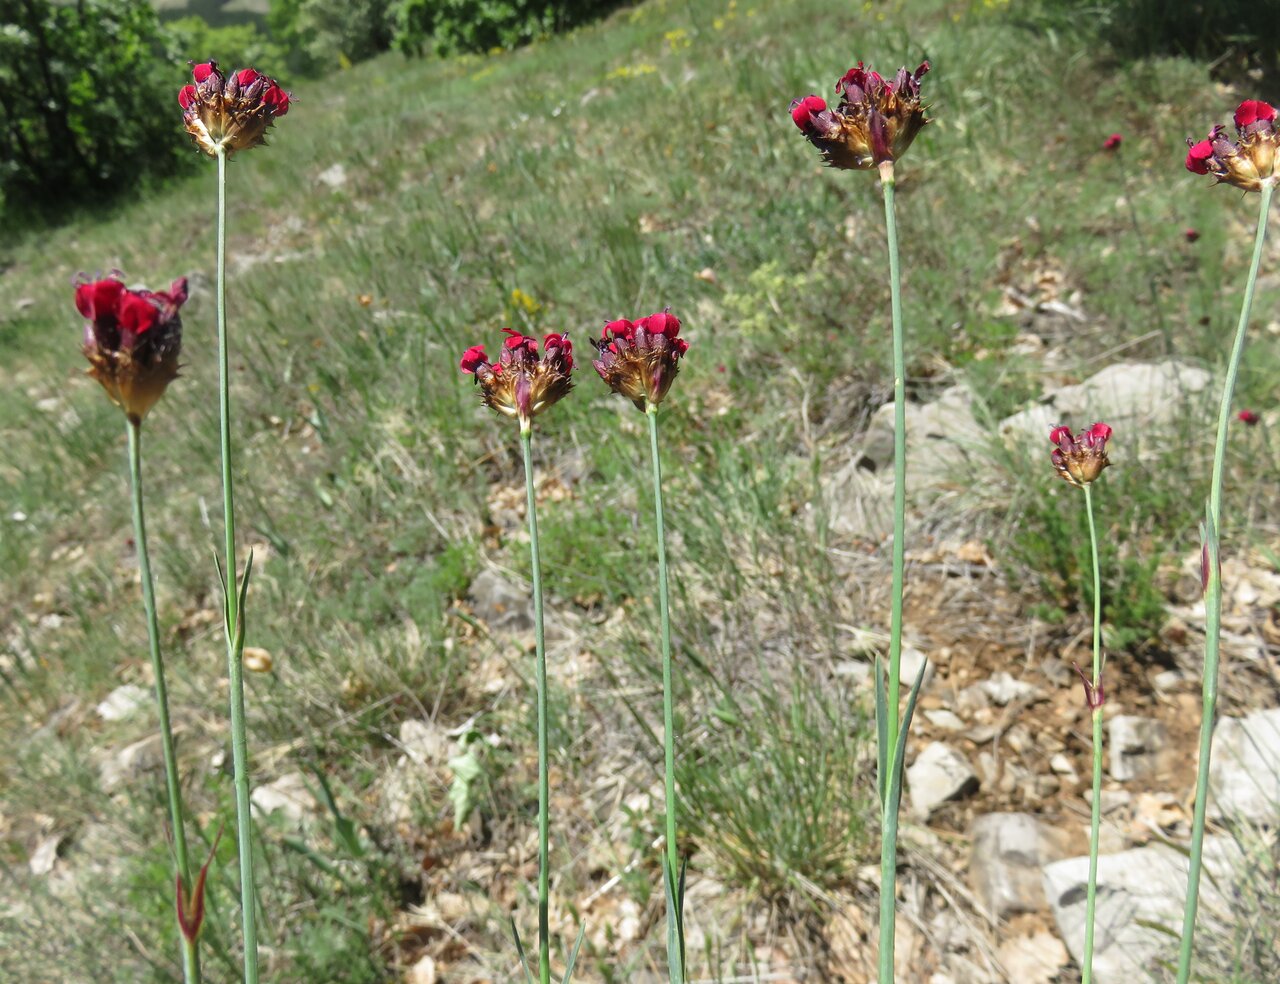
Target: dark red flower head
<point>132,339</point>
<point>230,113</point>
<point>1247,162</point>
<point>874,123</point>
<point>1190,234</point>
<point>523,383</point>
<point>640,359</point>
<point>1112,142</point>
<point>1248,417</point>
<point>1080,460</point>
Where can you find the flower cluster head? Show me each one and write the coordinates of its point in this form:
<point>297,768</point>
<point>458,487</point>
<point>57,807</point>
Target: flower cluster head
<point>640,359</point>
<point>1248,163</point>
<point>230,112</point>
<point>1248,417</point>
<point>523,382</point>
<point>874,123</point>
<point>1080,460</point>
<point>1113,142</point>
<point>132,339</point>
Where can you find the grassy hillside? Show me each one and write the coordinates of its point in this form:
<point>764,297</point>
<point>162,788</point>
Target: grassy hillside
<point>408,209</point>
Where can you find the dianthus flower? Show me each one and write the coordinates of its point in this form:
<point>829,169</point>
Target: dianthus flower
<point>874,122</point>
<point>232,112</point>
<point>523,383</point>
<point>640,359</point>
<point>1080,460</point>
<point>132,339</point>
<point>1249,163</point>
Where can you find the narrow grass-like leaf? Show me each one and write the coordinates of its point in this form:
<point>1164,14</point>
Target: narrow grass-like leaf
<point>882,732</point>
<point>674,891</point>
<point>573,954</point>
<point>524,959</point>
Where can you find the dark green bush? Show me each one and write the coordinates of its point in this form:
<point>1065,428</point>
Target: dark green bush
<point>325,34</point>
<point>232,46</point>
<point>1223,31</point>
<point>87,101</point>
<point>448,26</point>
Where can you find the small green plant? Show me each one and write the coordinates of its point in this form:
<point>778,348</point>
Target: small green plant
<point>450,26</point>
<point>776,786</point>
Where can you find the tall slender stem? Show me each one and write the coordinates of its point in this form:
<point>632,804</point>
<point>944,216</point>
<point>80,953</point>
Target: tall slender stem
<point>1095,816</point>
<point>889,845</point>
<point>1213,598</point>
<point>190,956</point>
<point>668,697</point>
<point>235,636</point>
<point>544,775</point>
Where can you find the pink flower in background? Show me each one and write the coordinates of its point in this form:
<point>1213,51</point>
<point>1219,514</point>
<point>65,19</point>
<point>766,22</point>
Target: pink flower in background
<point>1080,460</point>
<point>1191,235</point>
<point>1248,417</point>
<point>1112,142</point>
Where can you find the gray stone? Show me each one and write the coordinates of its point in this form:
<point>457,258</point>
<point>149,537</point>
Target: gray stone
<point>130,763</point>
<point>909,665</point>
<point>942,718</point>
<point>1244,768</point>
<point>1137,890</point>
<point>1134,396</point>
<point>287,796</point>
<point>499,603</point>
<point>940,438</point>
<point>1009,849</point>
<point>1003,688</point>
<point>123,702</point>
<point>1136,746</point>
<point>938,775</point>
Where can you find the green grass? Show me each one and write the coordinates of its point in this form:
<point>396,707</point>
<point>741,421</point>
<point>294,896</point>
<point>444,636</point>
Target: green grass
<point>371,479</point>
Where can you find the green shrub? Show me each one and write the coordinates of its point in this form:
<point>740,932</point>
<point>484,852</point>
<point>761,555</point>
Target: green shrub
<point>777,790</point>
<point>447,26</point>
<point>233,46</point>
<point>325,34</point>
<point>87,102</point>
<point>1215,30</point>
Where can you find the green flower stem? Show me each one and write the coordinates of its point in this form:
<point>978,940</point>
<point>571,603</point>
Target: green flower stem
<point>190,956</point>
<point>1095,816</point>
<point>668,698</point>
<point>889,839</point>
<point>1213,598</point>
<point>544,779</point>
<point>234,628</point>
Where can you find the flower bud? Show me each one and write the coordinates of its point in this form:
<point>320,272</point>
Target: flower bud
<point>1080,460</point>
<point>132,340</point>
